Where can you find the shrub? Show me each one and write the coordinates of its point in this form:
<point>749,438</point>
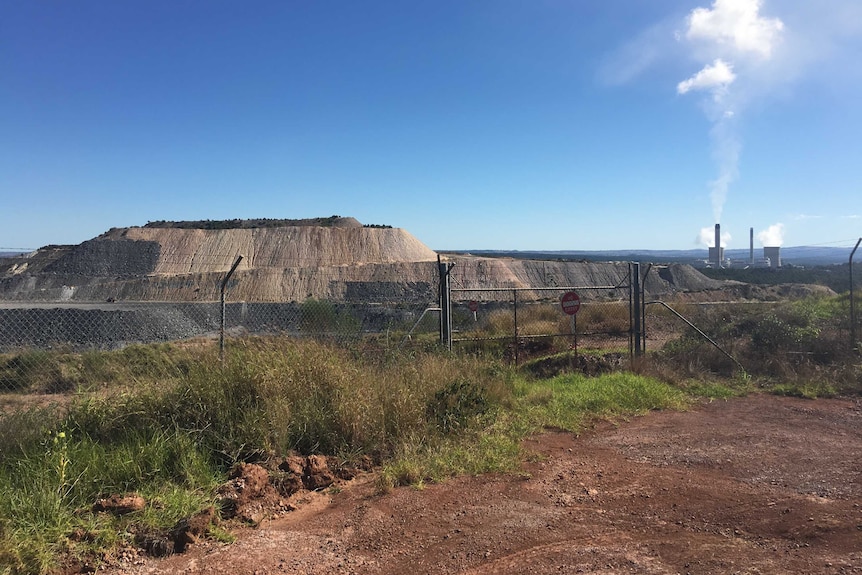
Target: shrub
<point>322,319</point>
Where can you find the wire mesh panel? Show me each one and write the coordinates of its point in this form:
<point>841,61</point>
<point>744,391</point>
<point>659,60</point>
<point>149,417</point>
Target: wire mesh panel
<point>62,346</point>
<point>341,322</point>
<point>44,344</point>
<point>86,325</point>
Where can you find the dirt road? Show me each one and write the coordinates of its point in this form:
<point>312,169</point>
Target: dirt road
<point>761,484</point>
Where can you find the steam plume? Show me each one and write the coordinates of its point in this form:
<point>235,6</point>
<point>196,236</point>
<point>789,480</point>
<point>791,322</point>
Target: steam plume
<point>773,236</point>
<point>736,23</point>
<point>706,237</point>
<point>731,34</point>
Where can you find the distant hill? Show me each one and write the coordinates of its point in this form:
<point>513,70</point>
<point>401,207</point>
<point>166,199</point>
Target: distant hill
<point>801,255</point>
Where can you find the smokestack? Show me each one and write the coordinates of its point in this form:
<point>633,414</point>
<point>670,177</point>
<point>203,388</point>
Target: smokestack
<point>751,246</point>
<point>718,245</point>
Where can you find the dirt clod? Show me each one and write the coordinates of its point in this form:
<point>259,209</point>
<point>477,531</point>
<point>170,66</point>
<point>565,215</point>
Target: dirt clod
<point>120,504</point>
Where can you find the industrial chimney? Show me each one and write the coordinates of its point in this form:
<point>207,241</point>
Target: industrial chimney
<point>716,253</point>
<point>751,246</point>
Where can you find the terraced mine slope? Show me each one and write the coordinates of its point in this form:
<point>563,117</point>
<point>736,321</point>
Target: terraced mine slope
<point>282,261</point>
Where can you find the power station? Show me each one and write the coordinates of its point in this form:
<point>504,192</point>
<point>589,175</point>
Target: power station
<point>716,258</point>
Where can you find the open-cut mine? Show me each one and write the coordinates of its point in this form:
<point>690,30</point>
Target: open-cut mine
<point>336,258</point>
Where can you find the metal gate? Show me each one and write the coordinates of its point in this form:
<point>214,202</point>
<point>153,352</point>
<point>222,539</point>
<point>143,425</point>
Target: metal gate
<point>524,322</point>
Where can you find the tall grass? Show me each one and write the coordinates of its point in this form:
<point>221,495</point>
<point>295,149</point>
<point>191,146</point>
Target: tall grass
<point>171,434</point>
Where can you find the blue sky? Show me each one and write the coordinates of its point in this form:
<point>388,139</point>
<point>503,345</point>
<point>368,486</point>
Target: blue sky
<point>487,124</point>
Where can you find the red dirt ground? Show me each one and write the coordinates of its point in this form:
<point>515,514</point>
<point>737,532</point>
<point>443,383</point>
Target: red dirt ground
<point>760,484</point>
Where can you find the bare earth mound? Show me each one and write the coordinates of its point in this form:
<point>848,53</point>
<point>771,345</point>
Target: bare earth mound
<point>334,258</point>
<point>164,263</point>
<point>754,485</point>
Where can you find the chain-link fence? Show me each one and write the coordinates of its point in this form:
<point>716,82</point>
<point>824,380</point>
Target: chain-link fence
<point>45,345</point>
<point>87,326</point>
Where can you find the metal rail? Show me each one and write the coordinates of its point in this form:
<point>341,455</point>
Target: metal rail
<point>556,288</point>
<point>222,289</point>
<point>409,334</point>
<point>697,329</point>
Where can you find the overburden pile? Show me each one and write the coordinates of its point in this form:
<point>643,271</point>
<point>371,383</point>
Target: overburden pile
<point>336,259</point>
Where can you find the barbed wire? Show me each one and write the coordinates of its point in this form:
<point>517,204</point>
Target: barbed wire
<point>850,242</point>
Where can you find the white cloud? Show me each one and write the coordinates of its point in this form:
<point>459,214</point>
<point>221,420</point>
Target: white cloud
<point>773,236</point>
<point>738,24</point>
<point>717,75</point>
<point>804,217</point>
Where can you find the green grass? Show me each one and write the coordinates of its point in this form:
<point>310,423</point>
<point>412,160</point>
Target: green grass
<point>566,402</point>
<point>171,431</point>
<point>805,390</point>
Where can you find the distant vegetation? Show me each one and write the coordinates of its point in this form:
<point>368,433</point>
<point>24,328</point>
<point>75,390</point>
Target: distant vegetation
<point>331,221</point>
<point>835,277</point>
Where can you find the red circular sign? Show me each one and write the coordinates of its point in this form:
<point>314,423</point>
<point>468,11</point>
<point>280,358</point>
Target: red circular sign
<point>570,302</point>
<point>473,305</point>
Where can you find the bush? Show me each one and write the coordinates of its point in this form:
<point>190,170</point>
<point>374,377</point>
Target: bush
<point>773,334</point>
<point>323,320</point>
<point>36,371</point>
<point>794,343</point>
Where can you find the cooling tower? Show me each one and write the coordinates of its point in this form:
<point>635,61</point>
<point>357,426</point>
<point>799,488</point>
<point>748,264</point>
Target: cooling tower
<point>773,254</point>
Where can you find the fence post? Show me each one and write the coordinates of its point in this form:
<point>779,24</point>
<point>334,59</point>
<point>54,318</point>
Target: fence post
<point>222,289</point>
<point>853,340</point>
<point>445,304</point>
<point>636,307</point>
<point>515,304</point>
<point>643,308</point>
